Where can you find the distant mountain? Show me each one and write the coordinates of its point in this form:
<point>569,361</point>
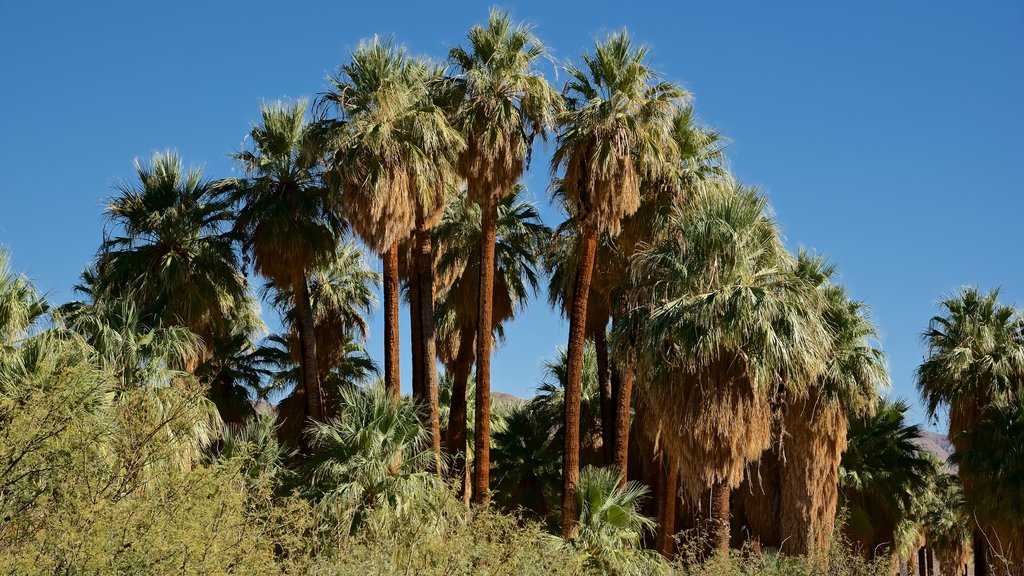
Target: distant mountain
<point>938,445</point>
<point>505,398</point>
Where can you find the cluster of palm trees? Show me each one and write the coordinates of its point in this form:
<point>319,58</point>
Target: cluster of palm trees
<point>703,358</point>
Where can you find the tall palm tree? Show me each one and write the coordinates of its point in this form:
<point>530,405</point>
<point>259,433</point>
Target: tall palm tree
<point>170,252</point>
<point>718,319</point>
<point>286,221</point>
<point>519,237</point>
<point>505,103</point>
<point>975,360</point>
<point>394,155</point>
<point>701,158</point>
<point>815,420</point>
<point>615,129</point>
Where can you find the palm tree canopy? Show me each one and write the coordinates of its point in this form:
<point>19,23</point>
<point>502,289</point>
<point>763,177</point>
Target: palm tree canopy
<point>616,129</point>
<point>505,103</point>
<point>883,472</point>
<point>168,250</point>
<point>975,351</point>
<point>719,285</point>
<point>285,215</point>
<point>20,305</point>
<point>854,368</point>
<point>394,148</point>
<point>717,320</point>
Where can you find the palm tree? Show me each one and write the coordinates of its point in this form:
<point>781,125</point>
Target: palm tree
<point>701,154</point>
<point>372,455</point>
<point>169,252</point>
<point>975,360</point>
<point>505,103</point>
<point>718,319</point>
<point>549,402</point>
<point>948,523</point>
<point>286,221</point>
<point>611,524</point>
<point>341,295</point>
<point>615,130</point>
<point>394,156</point>
<point>519,236</point>
<point>525,465</point>
<point>21,307</point>
<point>994,460</point>
<point>815,418</point>
<point>882,477</point>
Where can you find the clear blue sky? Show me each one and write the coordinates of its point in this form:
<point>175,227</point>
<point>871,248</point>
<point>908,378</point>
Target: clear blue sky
<point>887,135</point>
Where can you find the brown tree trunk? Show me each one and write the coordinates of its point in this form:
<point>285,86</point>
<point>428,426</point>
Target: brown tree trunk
<point>574,383</point>
<point>624,393</point>
<point>720,518</point>
<point>980,553</point>
<point>392,382</point>
<point>428,355</point>
<point>929,555</point>
<point>457,413</point>
<point>416,337</point>
<point>667,514</point>
<point>482,434</point>
<point>604,378</point>
<point>307,341</point>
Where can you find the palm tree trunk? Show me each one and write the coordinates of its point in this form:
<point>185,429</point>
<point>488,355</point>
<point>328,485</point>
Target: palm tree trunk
<point>391,374</point>
<point>428,355</point>
<point>457,414</point>
<point>980,557</point>
<point>667,514</point>
<point>720,518</point>
<point>604,378</point>
<point>624,393</point>
<point>307,341</point>
<point>416,336</point>
<point>574,383</point>
<point>482,436</point>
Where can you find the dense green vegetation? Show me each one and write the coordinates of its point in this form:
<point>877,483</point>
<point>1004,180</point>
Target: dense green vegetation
<point>719,407</point>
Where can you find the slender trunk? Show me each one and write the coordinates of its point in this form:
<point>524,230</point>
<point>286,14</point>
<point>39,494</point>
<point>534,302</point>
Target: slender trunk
<point>428,356</point>
<point>720,518</point>
<point>622,401</point>
<point>391,374</point>
<point>482,436</point>
<point>604,378</point>
<point>980,550</point>
<point>416,337</point>
<point>457,414</point>
<point>922,563</point>
<point>667,514</point>
<point>307,341</point>
<point>929,555</point>
<point>574,383</point>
